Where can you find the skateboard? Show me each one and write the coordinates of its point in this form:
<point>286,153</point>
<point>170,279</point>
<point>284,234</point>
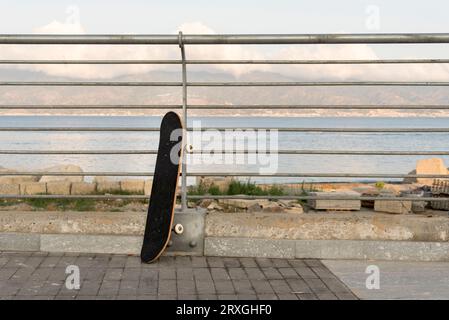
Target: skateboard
<point>160,214</point>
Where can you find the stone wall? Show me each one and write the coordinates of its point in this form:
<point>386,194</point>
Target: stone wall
<point>77,188</point>
<point>69,185</point>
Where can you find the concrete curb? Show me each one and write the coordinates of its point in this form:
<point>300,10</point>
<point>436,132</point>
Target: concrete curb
<point>328,249</point>
<point>236,247</point>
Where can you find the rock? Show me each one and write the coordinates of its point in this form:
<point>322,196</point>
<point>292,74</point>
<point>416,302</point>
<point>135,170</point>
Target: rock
<point>430,166</point>
<point>410,180</point>
<point>272,207</point>
<point>148,185</point>
<point>33,188</point>
<point>255,208</point>
<point>62,168</point>
<point>238,203</point>
<point>9,189</point>
<point>296,210</point>
<point>205,203</point>
<point>335,204</point>
<point>132,186</point>
<point>419,206</point>
<point>214,206</point>
<point>59,187</point>
<point>82,188</point>
<point>107,185</point>
<point>395,207</point>
<point>15,179</point>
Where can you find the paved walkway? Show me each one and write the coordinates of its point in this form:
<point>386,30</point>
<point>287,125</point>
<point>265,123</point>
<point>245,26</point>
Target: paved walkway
<point>397,279</point>
<point>43,276</point>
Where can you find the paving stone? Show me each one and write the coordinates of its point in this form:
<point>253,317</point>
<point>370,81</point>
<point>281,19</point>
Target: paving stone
<point>248,262</point>
<point>113,274</point>
<point>205,287</point>
<point>326,296</point>
<point>202,274</point>
<point>299,286</point>
<point>317,285</point>
<point>227,297</point>
<point>167,297</point>
<point>215,262</point>
<point>307,296</point>
<point>131,274</point>
<point>254,274</point>
<point>262,287</point>
<point>207,297</point>
<point>199,262</point>
<point>219,274</point>
<point>243,287</point>
<point>167,287</point>
<point>288,273</point>
<point>128,287</point>
<point>109,288</point>
<point>267,296</point>
<point>237,274</point>
<point>118,277</point>
<point>184,273</point>
<point>280,286</point>
<point>287,296</point>
<point>167,274</point>
<point>224,287</point>
<point>185,287</point>
<point>231,262</point>
<point>187,297</point>
<point>306,272</point>
<point>272,273</point>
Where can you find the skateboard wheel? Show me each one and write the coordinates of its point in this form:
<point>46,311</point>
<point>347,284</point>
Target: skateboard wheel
<point>179,228</point>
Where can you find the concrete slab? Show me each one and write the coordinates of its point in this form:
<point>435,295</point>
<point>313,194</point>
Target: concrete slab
<point>244,247</point>
<point>91,243</point>
<point>398,279</point>
<point>19,242</point>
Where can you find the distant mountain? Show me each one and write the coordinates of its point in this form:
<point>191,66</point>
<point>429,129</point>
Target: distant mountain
<point>229,96</point>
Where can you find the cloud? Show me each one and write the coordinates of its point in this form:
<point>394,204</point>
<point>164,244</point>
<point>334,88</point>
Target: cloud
<point>221,52</point>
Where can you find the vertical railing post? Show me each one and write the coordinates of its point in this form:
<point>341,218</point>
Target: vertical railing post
<point>184,120</point>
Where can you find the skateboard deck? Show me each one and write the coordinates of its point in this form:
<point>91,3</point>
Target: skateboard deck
<point>163,193</point>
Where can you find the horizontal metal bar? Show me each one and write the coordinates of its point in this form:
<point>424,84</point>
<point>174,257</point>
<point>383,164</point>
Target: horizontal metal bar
<point>88,107</point>
<point>76,152</point>
<point>335,130</point>
<point>227,39</point>
<point>92,83</point>
<point>92,197</point>
<point>330,107</point>
<point>316,175</point>
<point>221,107</point>
<point>317,84</point>
<point>323,152</point>
<point>204,152</point>
<point>75,174</point>
<point>58,61</point>
<point>202,62</point>
<point>234,174</point>
<point>226,84</point>
<point>316,198</point>
<point>100,129</point>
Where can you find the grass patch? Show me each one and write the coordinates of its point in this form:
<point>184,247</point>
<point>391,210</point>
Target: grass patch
<point>236,187</point>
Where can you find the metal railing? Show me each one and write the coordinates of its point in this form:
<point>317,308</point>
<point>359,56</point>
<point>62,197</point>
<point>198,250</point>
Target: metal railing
<point>184,40</point>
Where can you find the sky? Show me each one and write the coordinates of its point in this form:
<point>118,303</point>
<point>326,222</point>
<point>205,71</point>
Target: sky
<point>231,16</point>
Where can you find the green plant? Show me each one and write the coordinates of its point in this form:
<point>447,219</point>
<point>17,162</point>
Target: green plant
<point>380,185</point>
